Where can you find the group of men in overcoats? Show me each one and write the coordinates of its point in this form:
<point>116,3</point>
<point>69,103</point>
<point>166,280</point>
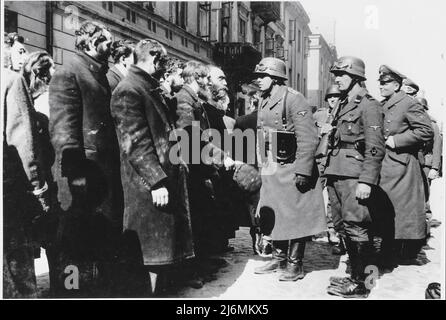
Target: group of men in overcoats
<point>127,208</point>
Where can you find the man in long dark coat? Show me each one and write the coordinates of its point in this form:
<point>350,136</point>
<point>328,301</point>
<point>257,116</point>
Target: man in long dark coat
<point>87,160</point>
<point>156,211</point>
<point>407,127</point>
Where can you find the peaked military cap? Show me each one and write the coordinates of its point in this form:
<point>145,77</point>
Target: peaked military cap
<point>410,83</point>
<point>387,74</point>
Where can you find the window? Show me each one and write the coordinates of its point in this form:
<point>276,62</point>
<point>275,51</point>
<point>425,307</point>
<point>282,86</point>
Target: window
<point>242,30</point>
<point>104,5</point>
<point>204,20</point>
<point>131,15</point>
<point>225,21</point>
<point>181,14</point>
<point>269,47</point>
<point>292,30</point>
<point>171,12</point>
<point>299,41</point>
<point>151,25</point>
<point>110,6</point>
<point>184,41</point>
<point>196,47</point>
<point>298,82</point>
<point>10,21</point>
<point>169,34</point>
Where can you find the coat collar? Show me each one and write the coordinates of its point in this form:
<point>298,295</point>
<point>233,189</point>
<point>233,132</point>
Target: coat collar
<point>271,101</point>
<point>354,102</point>
<point>397,97</point>
<point>116,71</point>
<point>191,92</point>
<point>153,86</point>
<point>94,65</point>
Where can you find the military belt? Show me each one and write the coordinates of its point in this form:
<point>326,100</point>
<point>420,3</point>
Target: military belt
<point>346,145</point>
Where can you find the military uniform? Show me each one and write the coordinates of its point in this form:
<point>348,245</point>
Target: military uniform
<point>358,122</point>
<point>408,125</point>
<point>355,158</point>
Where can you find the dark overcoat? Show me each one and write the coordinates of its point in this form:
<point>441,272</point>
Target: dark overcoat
<point>84,137</point>
<point>114,76</point>
<point>144,131</point>
<point>401,174</point>
<point>298,213</point>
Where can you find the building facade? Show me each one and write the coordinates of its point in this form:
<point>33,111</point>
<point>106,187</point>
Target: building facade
<point>235,35</point>
<point>320,59</point>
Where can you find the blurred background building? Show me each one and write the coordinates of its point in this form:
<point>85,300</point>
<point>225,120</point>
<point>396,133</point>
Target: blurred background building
<point>234,35</point>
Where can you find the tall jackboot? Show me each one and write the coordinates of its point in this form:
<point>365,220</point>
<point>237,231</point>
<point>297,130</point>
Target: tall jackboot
<point>352,256</point>
<point>278,261</point>
<point>294,269</point>
<point>355,288</point>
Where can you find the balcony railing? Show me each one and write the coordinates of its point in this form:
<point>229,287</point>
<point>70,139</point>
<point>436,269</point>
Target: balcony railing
<point>225,52</point>
<point>268,11</point>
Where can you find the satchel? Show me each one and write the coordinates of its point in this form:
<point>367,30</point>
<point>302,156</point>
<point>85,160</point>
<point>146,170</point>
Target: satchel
<point>284,140</point>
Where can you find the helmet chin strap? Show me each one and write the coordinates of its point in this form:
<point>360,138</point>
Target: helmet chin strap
<point>350,87</point>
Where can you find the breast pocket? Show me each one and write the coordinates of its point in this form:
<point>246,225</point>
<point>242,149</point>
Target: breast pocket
<point>350,125</point>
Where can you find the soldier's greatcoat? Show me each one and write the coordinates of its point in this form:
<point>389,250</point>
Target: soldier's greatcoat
<point>298,213</point>
<point>401,174</point>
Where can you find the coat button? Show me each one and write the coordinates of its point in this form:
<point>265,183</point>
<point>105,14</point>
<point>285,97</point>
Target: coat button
<point>389,121</point>
<point>387,129</point>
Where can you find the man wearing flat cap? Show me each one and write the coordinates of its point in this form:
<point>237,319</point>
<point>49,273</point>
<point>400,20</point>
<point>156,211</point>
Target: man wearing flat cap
<point>410,87</point>
<point>406,128</point>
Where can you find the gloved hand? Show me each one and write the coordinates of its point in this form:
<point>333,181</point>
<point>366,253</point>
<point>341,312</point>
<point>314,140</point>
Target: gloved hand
<point>42,196</point>
<point>78,185</point>
<point>302,181</point>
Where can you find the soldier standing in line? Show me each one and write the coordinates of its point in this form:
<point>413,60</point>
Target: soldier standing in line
<point>353,171</point>
<point>291,191</point>
<point>431,162</point>
<point>406,128</point>
<point>334,222</point>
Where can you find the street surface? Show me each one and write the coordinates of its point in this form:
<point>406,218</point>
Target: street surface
<point>235,278</point>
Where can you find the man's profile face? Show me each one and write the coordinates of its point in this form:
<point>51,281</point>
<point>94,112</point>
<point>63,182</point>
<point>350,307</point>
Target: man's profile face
<point>18,55</point>
<point>332,101</point>
<point>264,82</point>
<point>103,45</point>
<point>388,88</point>
<point>343,80</point>
<point>217,77</point>
<point>176,80</point>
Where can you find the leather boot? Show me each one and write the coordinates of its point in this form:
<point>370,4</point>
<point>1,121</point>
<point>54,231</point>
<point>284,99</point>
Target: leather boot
<point>278,261</point>
<point>294,269</point>
<point>356,287</point>
<point>352,256</point>
<point>339,249</point>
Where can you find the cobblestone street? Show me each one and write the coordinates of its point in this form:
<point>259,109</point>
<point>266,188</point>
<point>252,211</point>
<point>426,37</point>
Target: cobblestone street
<point>236,278</point>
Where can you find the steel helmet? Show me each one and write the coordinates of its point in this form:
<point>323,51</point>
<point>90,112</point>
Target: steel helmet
<point>271,66</point>
<point>332,90</point>
<point>423,102</point>
<point>350,65</point>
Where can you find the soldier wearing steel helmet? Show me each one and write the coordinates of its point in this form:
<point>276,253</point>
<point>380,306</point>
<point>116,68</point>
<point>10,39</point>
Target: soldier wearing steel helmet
<point>406,128</point>
<point>322,119</point>
<point>353,171</point>
<point>290,192</point>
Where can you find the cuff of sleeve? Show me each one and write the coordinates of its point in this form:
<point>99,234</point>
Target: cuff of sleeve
<point>372,181</point>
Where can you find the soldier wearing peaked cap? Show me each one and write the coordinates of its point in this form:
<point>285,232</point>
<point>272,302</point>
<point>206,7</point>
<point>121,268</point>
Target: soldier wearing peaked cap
<point>290,192</point>
<point>406,128</point>
<point>353,171</point>
<point>410,87</point>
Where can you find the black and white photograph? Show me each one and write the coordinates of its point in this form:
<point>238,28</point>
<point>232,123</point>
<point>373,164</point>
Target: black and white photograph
<point>223,150</point>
